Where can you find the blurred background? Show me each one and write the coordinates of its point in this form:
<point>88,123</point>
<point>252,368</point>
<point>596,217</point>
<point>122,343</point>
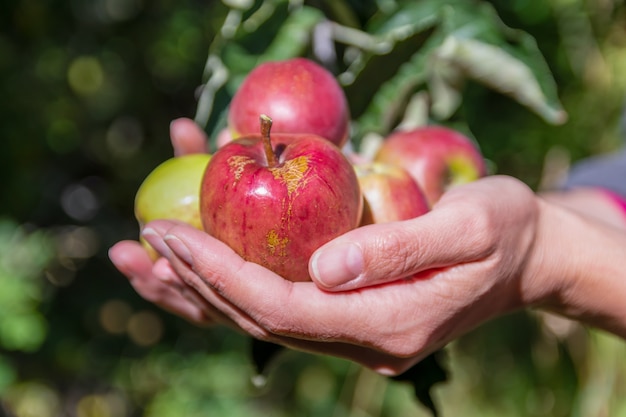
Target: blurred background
<point>88,90</point>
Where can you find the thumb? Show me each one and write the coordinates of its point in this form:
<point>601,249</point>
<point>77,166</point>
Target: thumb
<point>187,137</point>
<point>380,253</point>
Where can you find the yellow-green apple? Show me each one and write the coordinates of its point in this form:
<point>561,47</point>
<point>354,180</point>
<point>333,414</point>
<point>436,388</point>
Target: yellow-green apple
<point>389,193</point>
<point>172,191</point>
<point>300,95</point>
<point>276,200</point>
<point>437,157</point>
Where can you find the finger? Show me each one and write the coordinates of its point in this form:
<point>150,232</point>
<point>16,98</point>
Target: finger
<point>163,270</point>
<point>378,361</point>
<point>229,314</point>
<point>209,266</point>
<point>132,260</point>
<point>187,137</point>
<point>174,277</point>
<point>265,304</point>
<point>466,225</point>
<point>380,253</point>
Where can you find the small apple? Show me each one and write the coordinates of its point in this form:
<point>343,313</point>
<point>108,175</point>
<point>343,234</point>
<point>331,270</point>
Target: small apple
<point>276,200</point>
<point>437,157</point>
<point>300,95</point>
<point>389,192</point>
<point>172,191</point>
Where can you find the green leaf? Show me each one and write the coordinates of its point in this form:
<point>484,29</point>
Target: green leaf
<point>497,69</point>
<point>506,60</point>
<point>406,19</point>
<point>391,94</point>
<point>467,40</point>
<point>25,332</point>
<point>294,35</point>
<point>8,374</point>
<point>23,257</point>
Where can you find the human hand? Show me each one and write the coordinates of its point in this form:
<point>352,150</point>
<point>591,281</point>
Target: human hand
<point>155,280</point>
<point>417,284</point>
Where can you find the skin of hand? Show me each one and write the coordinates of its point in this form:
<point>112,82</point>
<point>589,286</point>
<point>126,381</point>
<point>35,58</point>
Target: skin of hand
<point>387,295</point>
<point>483,251</point>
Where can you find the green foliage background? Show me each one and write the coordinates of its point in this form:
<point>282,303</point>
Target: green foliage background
<point>88,91</point>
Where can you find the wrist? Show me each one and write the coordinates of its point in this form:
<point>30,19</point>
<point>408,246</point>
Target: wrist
<point>542,280</point>
<point>576,268</point>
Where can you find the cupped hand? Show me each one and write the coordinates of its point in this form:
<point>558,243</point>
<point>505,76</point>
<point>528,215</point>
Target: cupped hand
<point>402,290</point>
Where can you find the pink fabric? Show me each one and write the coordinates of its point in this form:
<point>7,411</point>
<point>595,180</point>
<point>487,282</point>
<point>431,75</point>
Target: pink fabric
<point>617,199</point>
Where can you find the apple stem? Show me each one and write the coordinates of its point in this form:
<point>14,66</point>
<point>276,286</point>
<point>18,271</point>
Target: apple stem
<point>266,126</point>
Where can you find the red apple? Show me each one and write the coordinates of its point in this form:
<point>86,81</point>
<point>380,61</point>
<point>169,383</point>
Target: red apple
<point>389,192</point>
<point>275,201</point>
<point>437,157</point>
<point>300,95</point>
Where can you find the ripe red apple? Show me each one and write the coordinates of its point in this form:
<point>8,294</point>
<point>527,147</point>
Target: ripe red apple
<point>437,157</point>
<point>275,201</point>
<point>389,192</point>
<point>172,191</point>
<point>301,97</point>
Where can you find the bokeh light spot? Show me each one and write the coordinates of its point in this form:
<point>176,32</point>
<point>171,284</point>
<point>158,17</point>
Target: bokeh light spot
<point>114,316</point>
<point>145,328</point>
<point>34,399</point>
<point>85,75</point>
<point>122,9</point>
<point>79,202</point>
<point>124,137</point>
<point>101,405</point>
<point>62,136</point>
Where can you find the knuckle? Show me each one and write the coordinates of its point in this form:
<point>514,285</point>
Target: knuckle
<point>395,253</point>
<point>274,322</point>
<point>480,229</point>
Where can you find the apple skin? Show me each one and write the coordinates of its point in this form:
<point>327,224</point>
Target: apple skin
<point>437,157</point>
<point>389,193</point>
<point>299,95</point>
<point>172,191</point>
<point>277,216</point>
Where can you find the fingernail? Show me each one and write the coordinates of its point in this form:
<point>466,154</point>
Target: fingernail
<point>176,133</point>
<point>179,248</point>
<point>175,128</point>
<point>155,240</point>
<point>337,264</point>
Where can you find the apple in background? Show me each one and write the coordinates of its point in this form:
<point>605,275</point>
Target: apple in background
<point>276,200</point>
<point>301,97</point>
<point>389,192</point>
<point>172,191</point>
<point>437,157</point>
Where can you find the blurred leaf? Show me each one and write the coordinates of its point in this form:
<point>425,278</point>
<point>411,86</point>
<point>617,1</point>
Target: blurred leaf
<point>468,41</point>
<point>500,71</point>
<point>7,373</point>
<point>294,35</point>
<point>405,19</point>
<point>23,257</point>
<point>25,332</point>
<point>391,94</point>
